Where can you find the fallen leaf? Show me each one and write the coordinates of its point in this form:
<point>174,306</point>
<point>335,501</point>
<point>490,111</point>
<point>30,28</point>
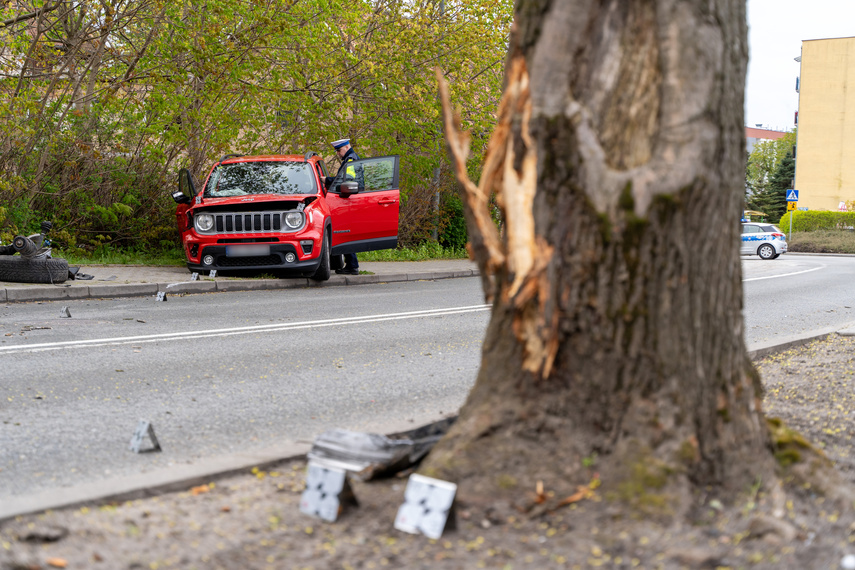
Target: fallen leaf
<point>226,509</point>
<point>200,489</point>
<point>57,562</point>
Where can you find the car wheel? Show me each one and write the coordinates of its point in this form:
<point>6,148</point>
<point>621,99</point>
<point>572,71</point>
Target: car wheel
<point>19,269</point>
<point>766,251</point>
<point>323,271</point>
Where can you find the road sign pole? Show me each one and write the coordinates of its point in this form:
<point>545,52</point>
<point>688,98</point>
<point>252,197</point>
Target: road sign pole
<point>792,200</point>
<point>790,238</point>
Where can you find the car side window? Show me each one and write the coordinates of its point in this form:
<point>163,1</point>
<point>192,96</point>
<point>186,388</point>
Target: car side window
<point>750,229</point>
<point>372,174</point>
<point>319,167</point>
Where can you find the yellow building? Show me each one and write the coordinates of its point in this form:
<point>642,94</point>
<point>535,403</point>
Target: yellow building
<point>825,148</point>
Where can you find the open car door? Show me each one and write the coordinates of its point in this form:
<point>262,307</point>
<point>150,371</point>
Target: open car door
<point>363,203</point>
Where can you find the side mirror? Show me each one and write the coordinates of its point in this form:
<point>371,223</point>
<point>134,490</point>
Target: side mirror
<point>180,198</point>
<point>348,188</point>
<point>186,188</point>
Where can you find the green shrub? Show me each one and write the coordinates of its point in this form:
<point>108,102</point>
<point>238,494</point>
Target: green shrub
<point>814,220</point>
<point>453,232</point>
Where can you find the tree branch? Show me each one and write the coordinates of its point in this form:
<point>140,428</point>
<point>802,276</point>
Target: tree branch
<point>30,16</point>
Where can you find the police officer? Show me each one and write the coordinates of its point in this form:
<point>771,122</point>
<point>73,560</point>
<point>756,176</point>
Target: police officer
<point>346,153</point>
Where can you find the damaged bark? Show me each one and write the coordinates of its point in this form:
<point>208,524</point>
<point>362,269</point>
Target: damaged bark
<point>617,331</point>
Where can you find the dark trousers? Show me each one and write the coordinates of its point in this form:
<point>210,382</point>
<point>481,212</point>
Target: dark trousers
<point>350,261</point>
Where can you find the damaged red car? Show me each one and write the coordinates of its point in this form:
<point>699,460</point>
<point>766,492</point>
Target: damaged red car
<point>275,213</point>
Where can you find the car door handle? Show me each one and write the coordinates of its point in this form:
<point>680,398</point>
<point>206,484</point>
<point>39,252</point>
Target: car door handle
<point>387,201</point>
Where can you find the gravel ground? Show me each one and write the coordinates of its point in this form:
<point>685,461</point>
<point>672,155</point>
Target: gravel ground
<point>252,520</point>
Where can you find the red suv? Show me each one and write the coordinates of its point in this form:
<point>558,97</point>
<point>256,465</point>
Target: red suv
<point>275,213</point>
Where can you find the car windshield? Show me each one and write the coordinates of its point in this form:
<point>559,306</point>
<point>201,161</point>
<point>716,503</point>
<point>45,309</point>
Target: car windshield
<point>268,177</point>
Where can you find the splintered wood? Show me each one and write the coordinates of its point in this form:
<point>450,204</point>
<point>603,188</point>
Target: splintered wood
<point>514,265</point>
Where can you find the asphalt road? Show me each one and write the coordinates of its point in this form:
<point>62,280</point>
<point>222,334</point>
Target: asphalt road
<point>796,295</point>
<point>227,372</point>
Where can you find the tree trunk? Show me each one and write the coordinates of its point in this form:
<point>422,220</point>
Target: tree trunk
<point>616,339</point>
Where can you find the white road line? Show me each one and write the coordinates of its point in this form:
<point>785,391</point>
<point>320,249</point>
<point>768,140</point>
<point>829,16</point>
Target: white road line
<point>784,274</point>
<point>98,342</point>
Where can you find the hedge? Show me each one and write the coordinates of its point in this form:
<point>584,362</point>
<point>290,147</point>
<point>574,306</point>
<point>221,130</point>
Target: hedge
<point>814,220</point>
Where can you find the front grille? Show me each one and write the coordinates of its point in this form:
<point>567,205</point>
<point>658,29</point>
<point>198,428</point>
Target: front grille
<point>248,240</point>
<point>223,261</point>
<point>247,222</point>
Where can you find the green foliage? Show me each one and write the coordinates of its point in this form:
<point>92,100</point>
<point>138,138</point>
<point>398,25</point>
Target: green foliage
<point>813,220</point>
<point>764,160</point>
<point>772,199</point>
<point>93,135</point>
<point>453,233</point>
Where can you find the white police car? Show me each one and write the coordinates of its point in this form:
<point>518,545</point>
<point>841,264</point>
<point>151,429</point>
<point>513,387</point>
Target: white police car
<point>764,240</point>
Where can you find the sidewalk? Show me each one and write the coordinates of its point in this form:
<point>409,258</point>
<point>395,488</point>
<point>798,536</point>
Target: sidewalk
<point>140,280</point>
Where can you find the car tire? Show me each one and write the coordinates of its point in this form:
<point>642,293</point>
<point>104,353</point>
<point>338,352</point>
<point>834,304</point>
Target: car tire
<point>323,271</point>
<point>19,269</point>
<point>766,251</point>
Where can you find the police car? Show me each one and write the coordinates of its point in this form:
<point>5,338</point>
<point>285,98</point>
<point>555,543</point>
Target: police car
<point>764,240</point>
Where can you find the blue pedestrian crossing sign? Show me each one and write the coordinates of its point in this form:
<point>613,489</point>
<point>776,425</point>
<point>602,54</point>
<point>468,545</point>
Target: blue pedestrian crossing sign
<point>792,195</point>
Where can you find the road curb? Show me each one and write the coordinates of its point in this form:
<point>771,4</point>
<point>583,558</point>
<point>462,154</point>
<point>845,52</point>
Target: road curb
<point>122,290</point>
<point>46,294</point>
<point>143,485</point>
<point>762,350</point>
<point>58,293</point>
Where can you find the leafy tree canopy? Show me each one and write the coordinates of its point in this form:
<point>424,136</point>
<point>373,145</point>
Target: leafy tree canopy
<point>102,102</point>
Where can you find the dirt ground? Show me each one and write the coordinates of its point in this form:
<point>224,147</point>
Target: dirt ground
<point>253,521</point>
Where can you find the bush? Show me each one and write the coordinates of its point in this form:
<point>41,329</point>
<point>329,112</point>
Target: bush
<point>814,220</point>
<point>453,232</point>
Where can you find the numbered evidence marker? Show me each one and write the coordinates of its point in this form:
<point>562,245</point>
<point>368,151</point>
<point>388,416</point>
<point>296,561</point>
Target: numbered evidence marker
<point>428,507</point>
<point>161,296</point>
<point>213,273</point>
<point>144,428</point>
<point>194,276</point>
<point>328,492</point>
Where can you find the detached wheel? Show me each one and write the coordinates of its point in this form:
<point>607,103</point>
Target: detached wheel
<point>17,269</point>
<point>766,251</point>
<point>323,271</point>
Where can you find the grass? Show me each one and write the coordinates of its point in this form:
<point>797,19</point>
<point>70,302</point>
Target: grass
<point>822,241</point>
<point>109,256</point>
<point>422,252</point>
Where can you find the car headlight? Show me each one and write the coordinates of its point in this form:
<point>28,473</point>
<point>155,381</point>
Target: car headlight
<point>204,222</point>
<point>294,220</point>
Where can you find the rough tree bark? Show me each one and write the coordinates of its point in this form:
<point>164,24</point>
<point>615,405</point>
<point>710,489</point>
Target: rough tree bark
<point>616,332</point>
